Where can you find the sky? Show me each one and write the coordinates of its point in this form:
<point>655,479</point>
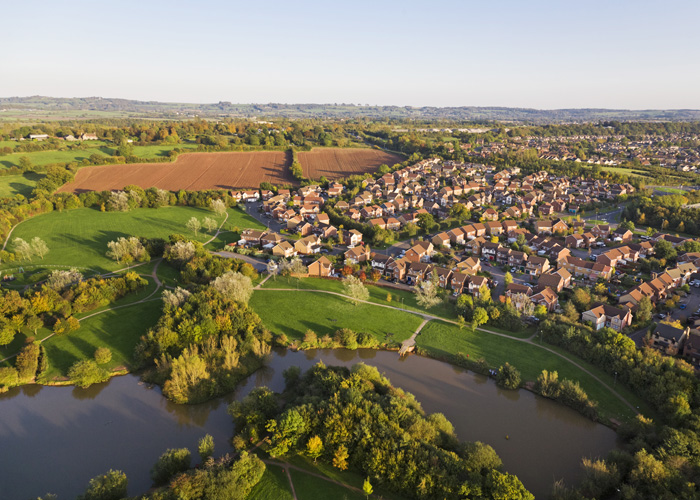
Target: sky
<point>535,54</point>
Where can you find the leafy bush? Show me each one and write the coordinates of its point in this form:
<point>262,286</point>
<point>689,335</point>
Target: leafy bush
<point>171,462</point>
<point>110,486</point>
<point>86,372</point>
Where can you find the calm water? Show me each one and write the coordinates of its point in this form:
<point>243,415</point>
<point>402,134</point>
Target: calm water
<point>54,439</point>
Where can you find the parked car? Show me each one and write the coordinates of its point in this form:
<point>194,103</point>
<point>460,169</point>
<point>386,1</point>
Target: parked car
<point>513,270</point>
<point>682,306</point>
<point>495,283</point>
<point>662,315</point>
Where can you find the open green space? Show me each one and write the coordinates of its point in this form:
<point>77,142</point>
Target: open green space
<point>292,313</point>
<point>623,171</point>
<point>310,487</point>
<point>79,237</point>
<point>403,299</point>
<point>118,329</point>
<point>273,485</point>
<point>348,477</point>
<point>670,190</point>
<point>23,184</point>
<point>441,339</point>
<point>67,155</point>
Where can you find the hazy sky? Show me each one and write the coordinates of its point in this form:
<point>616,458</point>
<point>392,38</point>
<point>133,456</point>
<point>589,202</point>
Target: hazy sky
<point>542,54</point>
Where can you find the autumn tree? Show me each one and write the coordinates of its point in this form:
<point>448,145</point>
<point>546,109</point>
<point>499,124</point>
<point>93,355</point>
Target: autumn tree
<point>480,317</point>
<point>507,278</point>
<point>355,289</point>
<point>314,447</point>
<point>210,224</point>
<point>218,207</point>
<point>340,458</point>
<point>194,225</point>
<point>234,286</point>
<point>39,247</point>
<point>427,293</point>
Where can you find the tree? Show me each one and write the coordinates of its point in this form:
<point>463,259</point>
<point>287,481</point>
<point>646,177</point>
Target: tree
<point>84,373</point>
<point>494,239</point>
<point>127,250</point>
<point>59,279</point>
<point>25,163</point>
<point>581,299</point>
<point>103,355</point>
<point>27,361</point>
<point>173,461</point>
<point>355,289</point>
<point>507,278</point>
<point>176,298</point>
<point>234,286</point>
<point>480,317</point>
<point>340,459</point>
<point>644,310</point>
<point>664,250</point>
<point>39,247</point>
<point>540,312</point>
<point>182,251</point>
<point>110,486</point>
<point>210,224</point>
<point>23,249</point>
<point>508,377</point>
<point>194,225</point>
<point>218,206</point>
<point>484,294</point>
<point>314,447</point>
<point>460,212</point>
<point>427,293</point>
<point>367,488</point>
<point>205,447</point>
<point>426,222</point>
<point>118,201</point>
<point>570,311</point>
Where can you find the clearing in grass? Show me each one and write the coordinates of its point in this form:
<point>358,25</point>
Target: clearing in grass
<point>273,485</point>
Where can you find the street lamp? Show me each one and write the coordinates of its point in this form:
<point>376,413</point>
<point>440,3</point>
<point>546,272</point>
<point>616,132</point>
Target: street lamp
<point>615,383</point>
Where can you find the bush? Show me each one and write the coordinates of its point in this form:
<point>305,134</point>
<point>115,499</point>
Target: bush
<point>8,377</point>
<point>206,447</point>
<point>173,461</point>
<point>103,355</point>
<point>508,377</point>
<point>110,486</point>
<point>86,372</point>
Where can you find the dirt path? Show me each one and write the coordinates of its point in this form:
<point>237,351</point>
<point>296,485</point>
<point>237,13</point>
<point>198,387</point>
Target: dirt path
<point>429,317</point>
<point>10,233</point>
<point>218,231</point>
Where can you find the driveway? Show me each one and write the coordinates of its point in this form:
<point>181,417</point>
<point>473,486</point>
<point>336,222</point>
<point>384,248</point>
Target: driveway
<point>253,209</point>
<point>692,301</point>
<point>499,275</point>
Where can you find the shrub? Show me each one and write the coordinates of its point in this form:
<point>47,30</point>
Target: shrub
<point>173,461</point>
<point>508,377</point>
<point>110,486</point>
<point>8,377</point>
<point>206,447</point>
<point>103,355</point>
<point>86,372</point>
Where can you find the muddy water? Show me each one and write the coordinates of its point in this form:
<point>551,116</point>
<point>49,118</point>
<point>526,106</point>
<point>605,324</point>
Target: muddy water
<point>54,439</point>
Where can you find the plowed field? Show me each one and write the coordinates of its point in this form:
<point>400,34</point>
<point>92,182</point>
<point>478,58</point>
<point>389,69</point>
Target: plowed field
<point>335,163</point>
<point>191,171</point>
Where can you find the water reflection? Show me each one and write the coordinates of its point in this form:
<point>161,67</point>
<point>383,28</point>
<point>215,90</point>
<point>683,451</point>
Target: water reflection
<point>126,424</point>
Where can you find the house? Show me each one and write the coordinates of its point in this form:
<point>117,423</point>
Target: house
<point>352,238</point>
<point>380,261</point>
<point>516,288</point>
<point>543,226</point>
<point>547,298</point>
<point>308,245</point>
<point>269,240</point>
<point>622,235</point>
<point>441,240</point>
<point>601,230</point>
<point>557,280</point>
<point>420,252</point>
<point>88,137</point>
<point>459,281</point>
<point>536,265</point>
<point>283,249</point>
<point>574,241</point>
<point>443,276</point>
<point>494,228</point>
<point>252,236</point>
<point>580,267</point>
<point>489,249</point>
<point>475,284</point>
<point>417,271</point>
<point>605,315</point>
<point>474,246</point>
<point>470,265</point>
<point>560,227</point>
<point>293,222</point>
<point>691,349</point>
<point>357,255</point>
<point>456,236</point>
<point>397,269</point>
<point>668,338</point>
<point>322,267</point>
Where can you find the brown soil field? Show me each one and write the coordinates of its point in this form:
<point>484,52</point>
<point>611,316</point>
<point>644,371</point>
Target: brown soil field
<point>334,163</point>
<point>191,171</point>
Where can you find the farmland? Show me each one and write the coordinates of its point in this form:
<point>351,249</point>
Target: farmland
<point>191,171</point>
<point>334,163</point>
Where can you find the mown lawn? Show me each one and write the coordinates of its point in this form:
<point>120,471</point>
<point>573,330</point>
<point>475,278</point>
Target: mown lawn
<point>442,339</point>
<point>79,237</point>
<point>292,313</point>
<point>309,487</point>
<point>119,330</point>
<point>403,299</point>
<point>274,485</point>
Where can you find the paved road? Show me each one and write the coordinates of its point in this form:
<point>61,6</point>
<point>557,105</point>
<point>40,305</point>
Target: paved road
<point>610,217</point>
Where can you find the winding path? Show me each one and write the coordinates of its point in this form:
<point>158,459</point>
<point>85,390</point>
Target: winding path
<point>428,317</point>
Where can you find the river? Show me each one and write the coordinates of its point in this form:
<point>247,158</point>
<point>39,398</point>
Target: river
<point>54,439</point>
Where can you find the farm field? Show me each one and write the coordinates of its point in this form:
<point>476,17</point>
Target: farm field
<point>191,171</point>
<point>79,237</point>
<point>334,163</point>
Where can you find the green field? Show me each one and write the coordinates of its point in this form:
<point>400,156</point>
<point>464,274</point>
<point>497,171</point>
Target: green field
<point>79,237</point>
<point>41,158</point>
<point>623,171</point>
<point>441,339</point>
<point>670,190</point>
<point>402,299</point>
<point>23,184</point>
<point>292,313</point>
<point>119,330</point>
<point>273,485</point>
<point>309,487</point>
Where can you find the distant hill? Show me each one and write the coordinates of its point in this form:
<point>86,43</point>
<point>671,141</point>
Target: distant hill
<point>97,107</point>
